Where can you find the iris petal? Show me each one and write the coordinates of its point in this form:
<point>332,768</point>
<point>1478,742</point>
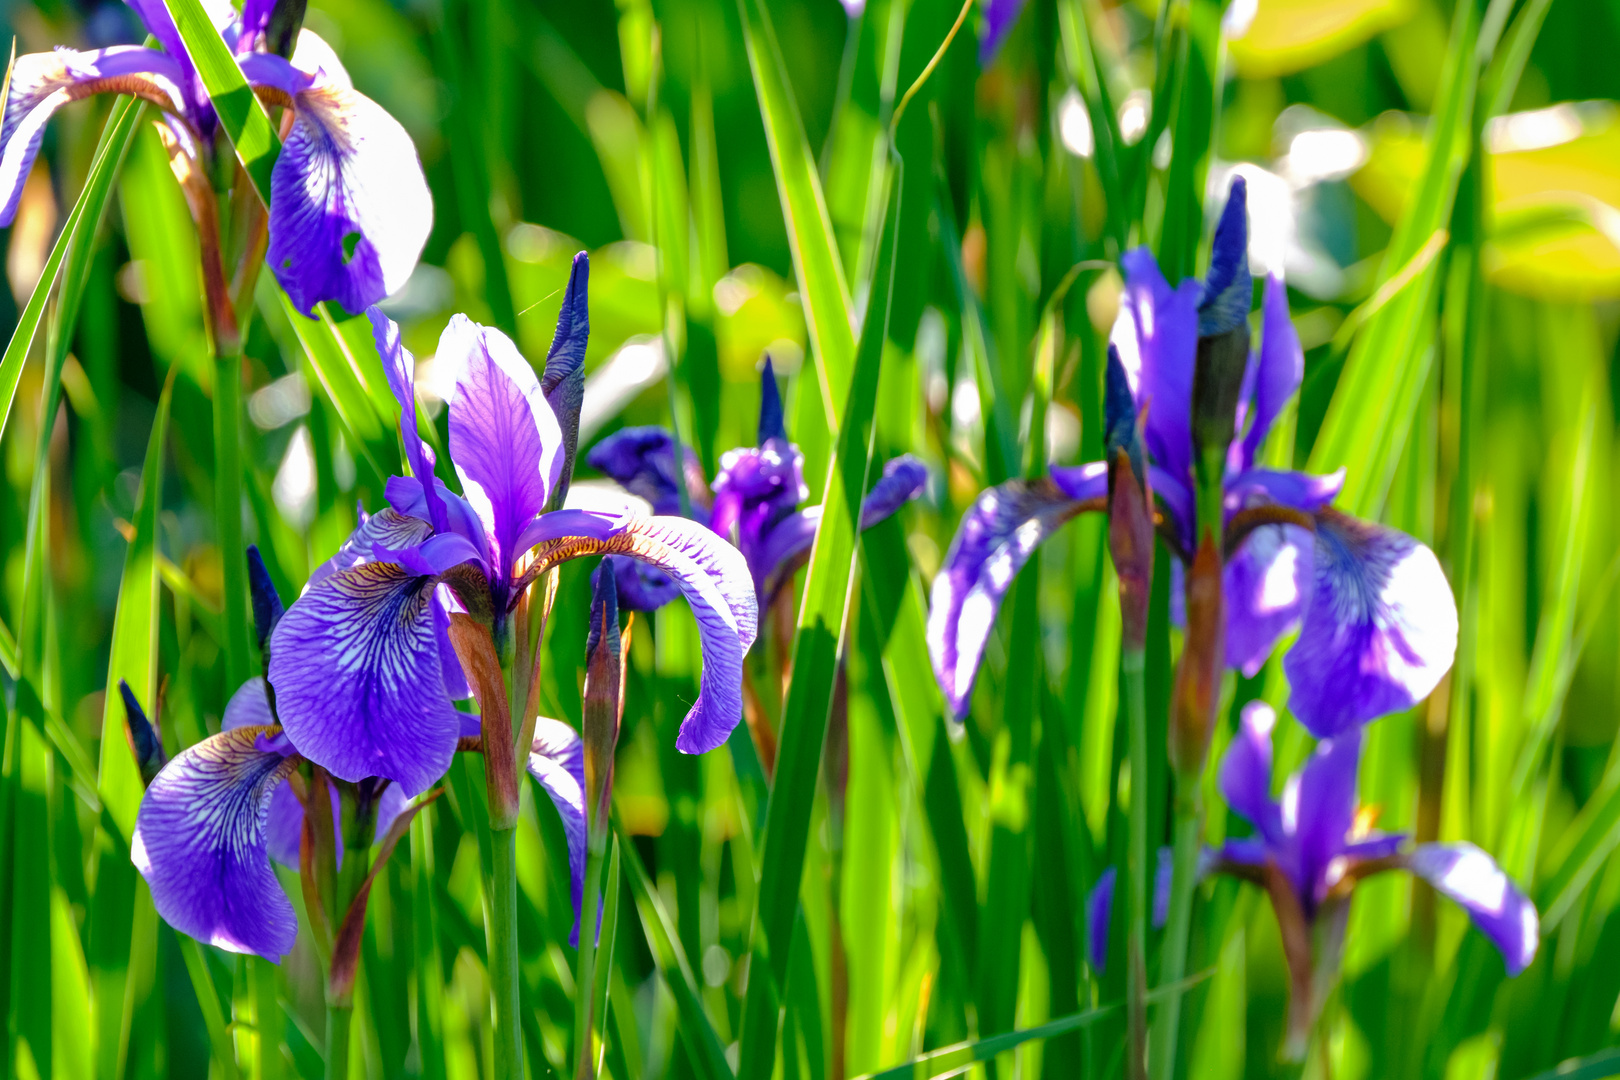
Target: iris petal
<point>1266,583</point>
<point>564,380</point>
<point>1281,367</point>
<point>641,587</point>
<point>756,489</point>
<point>1472,878</point>
<point>41,83</point>
<point>400,367</point>
<point>904,478</point>
<point>714,578</point>
<point>1157,338</point>
<point>349,209</point>
<point>1246,772</point>
<point>996,537</point>
<point>200,844</point>
<point>359,678</point>
<point>504,438</point>
<point>1379,631</point>
<point>642,460</point>
<point>1099,909</point>
<point>1324,791</point>
<point>557,761</point>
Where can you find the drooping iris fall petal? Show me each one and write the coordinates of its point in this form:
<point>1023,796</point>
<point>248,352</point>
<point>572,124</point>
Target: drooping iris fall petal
<point>1471,878</point>
<point>200,843</point>
<point>557,761</point>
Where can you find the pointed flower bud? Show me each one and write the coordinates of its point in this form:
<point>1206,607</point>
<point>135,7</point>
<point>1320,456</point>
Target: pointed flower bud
<point>1130,504</point>
<point>143,736</point>
<point>604,696</point>
<point>1198,674</point>
<point>771,425</point>
<point>1223,329</point>
<point>564,380</point>
<point>267,606</point>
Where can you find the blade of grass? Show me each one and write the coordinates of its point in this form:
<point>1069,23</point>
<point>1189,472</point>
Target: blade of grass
<point>90,207</point>
<point>240,113</point>
<point>816,646</point>
<point>709,1057</point>
<point>202,982</point>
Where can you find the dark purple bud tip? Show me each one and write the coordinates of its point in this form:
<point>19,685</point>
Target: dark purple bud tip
<point>563,382</point>
<point>1228,289</point>
<point>267,606</point>
<point>143,737</point>
<point>771,425</point>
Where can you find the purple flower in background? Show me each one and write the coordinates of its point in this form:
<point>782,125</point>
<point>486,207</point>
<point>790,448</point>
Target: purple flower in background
<point>349,208</point>
<point>1099,906</point>
<point>214,817</point>
<point>1310,849</point>
<point>754,501</point>
<point>362,669</point>
<point>1378,624</point>
<point>999,17</point>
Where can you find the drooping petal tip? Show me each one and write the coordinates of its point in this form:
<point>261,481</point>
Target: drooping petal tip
<point>1471,878</point>
<point>557,761</point>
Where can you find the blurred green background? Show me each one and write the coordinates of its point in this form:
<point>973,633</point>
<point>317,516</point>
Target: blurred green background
<point>1461,355</point>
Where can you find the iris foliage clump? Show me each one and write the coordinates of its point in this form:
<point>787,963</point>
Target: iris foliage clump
<point>751,538</point>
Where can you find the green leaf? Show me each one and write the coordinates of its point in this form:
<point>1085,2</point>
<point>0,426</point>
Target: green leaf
<point>90,207</point>
<point>957,1058</point>
<point>816,647</point>
<point>1594,1067</point>
<point>202,982</point>
<point>708,1055</point>
<point>240,113</point>
<point>822,286</point>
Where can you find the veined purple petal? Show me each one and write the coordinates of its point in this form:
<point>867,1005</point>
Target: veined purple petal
<point>504,438</point>
<point>387,529</point>
<point>1472,878</point>
<point>359,679</point>
<point>1099,910</point>
<point>1176,498</point>
<point>996,537</point>
<point>41,83</point>
<point>200,844</point>
<point>1157,338</point>
<point>714,577</point>
<point>1266,583</point>
<point>313,56</point>
<point>756,489</point>
<point>999,17</point>
<point>349,208</point>
<point>1246,772</point>
<point>557,761</point>
<point>1379,631</point>
<point>1319,807</point>
<point>400,367</point>
<point>1281,367</point>
<point>904,478</point>
<point>1228,291</point>
<point>563,382</point>
<point>248,707</point>
<point>642,460</point>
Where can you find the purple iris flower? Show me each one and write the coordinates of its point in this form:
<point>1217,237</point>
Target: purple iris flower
<point>349,206</point>
<point>215,816</point>
<point>362,668</point>
<point>1377,621</point>
<point>754,501</point>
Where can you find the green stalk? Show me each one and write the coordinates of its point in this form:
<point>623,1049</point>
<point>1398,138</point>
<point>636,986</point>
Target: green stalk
<point>228,511</point>
<point>585,962</point>
<point>338,1020</point>
<point>1134,663</point>
<point>501,908</point>
<point>1173,958</point>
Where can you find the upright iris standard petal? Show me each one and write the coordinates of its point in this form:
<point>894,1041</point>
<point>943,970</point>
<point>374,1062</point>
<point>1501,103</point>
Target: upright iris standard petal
<point>1319,807</point>
<point>349,207</point>
<point>1246,772</point>
<point>563,382</point>
<point>1472,878</point>
<point>200,844</point>
<point>248,707</point>
<point>359,678</point>
<point>714,578</point>
<point>1380,629</point>
<point>1099,909</point>
<point>756,489</point>
<point>41,83</point>
<point>1157,338</point>
<point>400,367</point>
<point>1278,373</point>
<point>504,438</point>
<point>996,537</point>
<point>557,761</point>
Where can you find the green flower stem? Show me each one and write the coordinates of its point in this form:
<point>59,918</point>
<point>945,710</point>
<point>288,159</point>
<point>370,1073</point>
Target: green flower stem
<point>501,910</point>
<point>228,512</point>
<point>338,1020</point>
<point>1173,959</point>
<point>1134,663</point>
<point>585,962</point>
